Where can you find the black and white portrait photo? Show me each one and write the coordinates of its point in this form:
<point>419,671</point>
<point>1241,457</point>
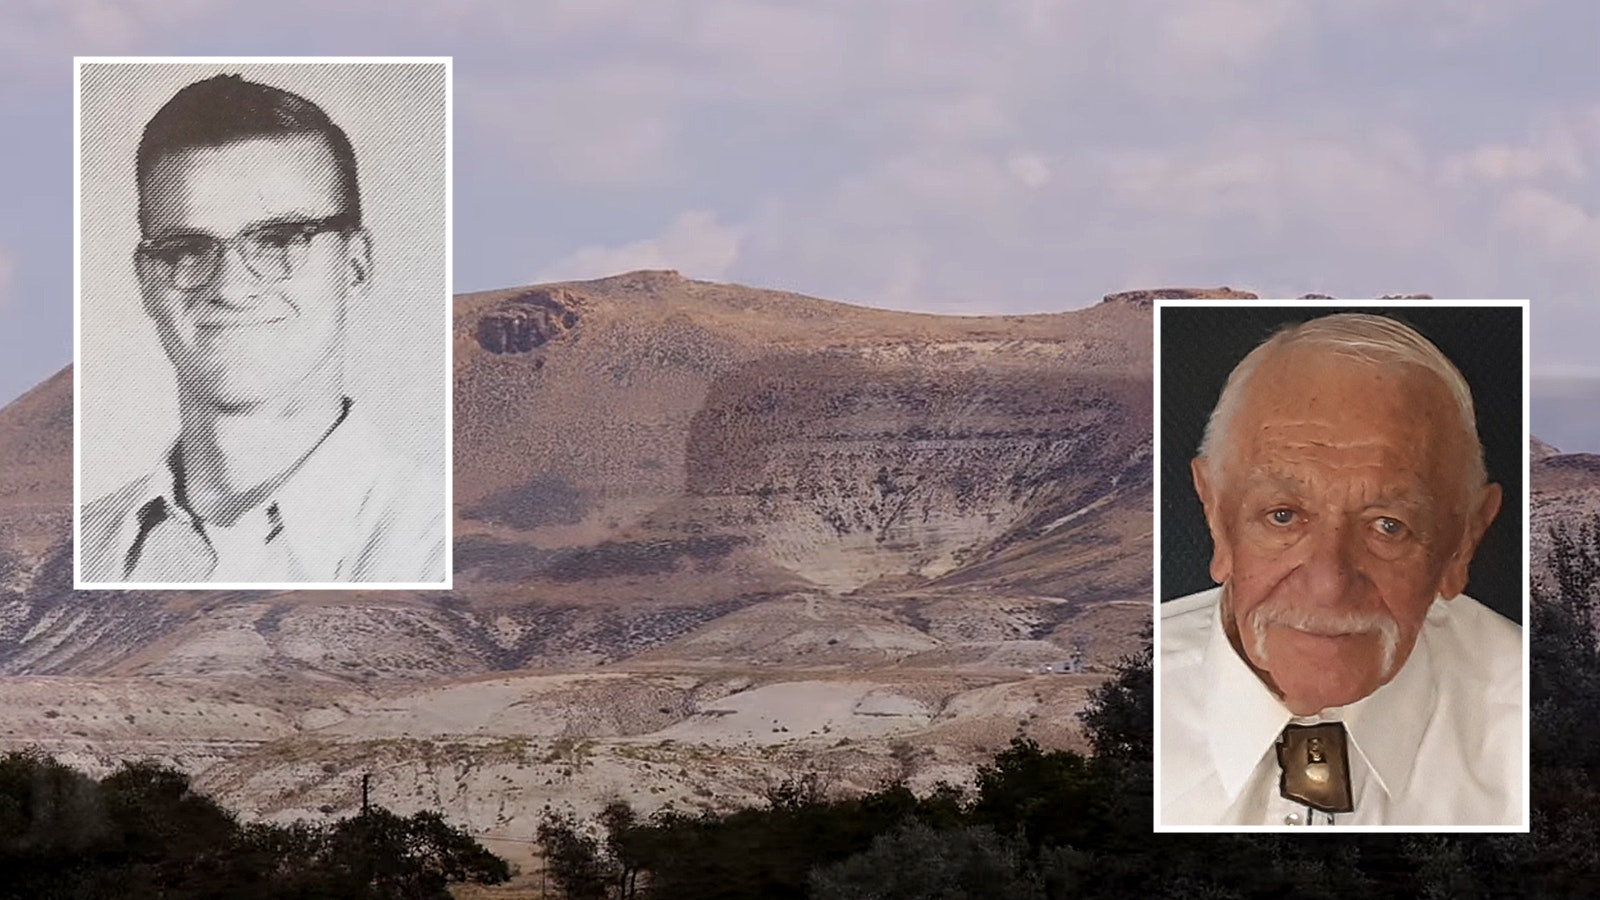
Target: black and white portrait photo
<point>263,324</point>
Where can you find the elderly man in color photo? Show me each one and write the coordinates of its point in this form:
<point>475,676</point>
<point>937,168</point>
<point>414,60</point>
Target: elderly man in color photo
<point>253,249</point>
<point>1339,675</point>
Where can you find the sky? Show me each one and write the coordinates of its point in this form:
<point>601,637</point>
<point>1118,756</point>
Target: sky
<point>1008,156</point>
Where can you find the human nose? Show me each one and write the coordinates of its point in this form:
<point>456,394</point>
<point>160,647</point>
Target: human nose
<point>234,283</point>
<point>1328,573</point>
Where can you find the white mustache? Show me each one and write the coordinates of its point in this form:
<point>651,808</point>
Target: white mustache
<point>1324,623</point>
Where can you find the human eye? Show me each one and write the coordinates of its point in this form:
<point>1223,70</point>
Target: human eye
<point>1390,527</point>
<point>1282,516</point>
<point>179,249</point>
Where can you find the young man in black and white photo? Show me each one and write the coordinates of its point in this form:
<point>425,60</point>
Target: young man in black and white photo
<point>252,252</point>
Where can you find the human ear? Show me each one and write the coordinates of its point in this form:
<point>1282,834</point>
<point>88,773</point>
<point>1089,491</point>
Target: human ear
<point>1222,550</point>
<point>358,258</point>
<point>1485,505</point>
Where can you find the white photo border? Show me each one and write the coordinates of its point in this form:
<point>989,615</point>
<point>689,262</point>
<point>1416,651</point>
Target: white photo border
<point>447,305</point>
<point>1331,304</point>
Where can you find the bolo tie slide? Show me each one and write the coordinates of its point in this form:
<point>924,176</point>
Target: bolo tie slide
<point>1315,765</point>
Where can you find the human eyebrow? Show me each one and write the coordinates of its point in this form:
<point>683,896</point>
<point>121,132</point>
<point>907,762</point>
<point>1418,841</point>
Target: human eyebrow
<point>296,217</point>
<point>178,234</point>
<point>1397,504</point>
<point>1264,480</point>
<point>292,218</point>
<point>1413,496</point>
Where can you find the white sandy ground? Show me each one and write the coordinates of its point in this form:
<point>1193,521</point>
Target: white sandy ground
<point>494,754</point>
<point>714,719</point>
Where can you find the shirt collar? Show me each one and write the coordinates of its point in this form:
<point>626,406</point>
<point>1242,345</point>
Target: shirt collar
<point>331,485</point>
<point>1245,715</point>
<point>1385,727</point>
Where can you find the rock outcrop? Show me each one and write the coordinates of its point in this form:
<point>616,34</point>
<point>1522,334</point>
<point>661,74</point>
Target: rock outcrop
<point>1146,298</point>
<point>528,320</point>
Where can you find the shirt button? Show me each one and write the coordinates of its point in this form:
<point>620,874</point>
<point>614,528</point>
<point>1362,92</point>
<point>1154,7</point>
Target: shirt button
<point>1292,819</point>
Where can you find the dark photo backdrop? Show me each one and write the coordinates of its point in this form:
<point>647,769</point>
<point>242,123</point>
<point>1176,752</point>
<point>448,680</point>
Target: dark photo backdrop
<point>1199,346</point>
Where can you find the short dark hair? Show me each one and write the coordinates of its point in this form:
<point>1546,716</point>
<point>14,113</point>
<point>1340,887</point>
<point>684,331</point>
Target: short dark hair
<point>225,109</point>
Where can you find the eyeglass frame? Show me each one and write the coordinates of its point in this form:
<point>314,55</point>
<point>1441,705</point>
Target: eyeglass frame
<point>149,248</point>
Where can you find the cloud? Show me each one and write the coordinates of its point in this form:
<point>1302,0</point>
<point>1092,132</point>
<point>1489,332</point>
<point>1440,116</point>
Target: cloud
<point>1222,32</point>
<point>1556,151</point>
<point>1502,162</point>
<point>695,244</point>
<point>608,127</point>
<point>1030,169</point>
<point>40,31</point>
<point>1557,226</point>
<point>1373,189</point>
<point>1015,156</point>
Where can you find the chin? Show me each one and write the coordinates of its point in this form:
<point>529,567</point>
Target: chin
<point>234,391</point>
<point>1322,696</point>
<point>1314,682</point>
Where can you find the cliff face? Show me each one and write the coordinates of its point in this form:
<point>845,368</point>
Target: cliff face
<point>705,536</point>
<point>650,441</point>
<point>794,440</point>
<point>527,321</point>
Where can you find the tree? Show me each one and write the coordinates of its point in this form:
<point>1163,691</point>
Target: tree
<point>573,859</point>
<point>1051,797</point>
<point>143,832</point>
<point>629,844</point>
<point>917,862</point>
<point>1565,686</point>
<point>380,854</point>
<point>1119,719</point>
<point>1120,711</point>
<point>169,839</point>
<point>1564,719</point>
<point>46,807</point>
<point>52,822</point>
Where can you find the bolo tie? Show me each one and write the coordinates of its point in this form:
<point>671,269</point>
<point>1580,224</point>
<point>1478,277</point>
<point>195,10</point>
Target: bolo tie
<point>1315,766</point>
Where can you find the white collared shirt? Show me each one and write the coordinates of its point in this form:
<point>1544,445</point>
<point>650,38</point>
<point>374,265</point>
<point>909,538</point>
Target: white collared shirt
<point>351,512</point>
<point>1440,744</point>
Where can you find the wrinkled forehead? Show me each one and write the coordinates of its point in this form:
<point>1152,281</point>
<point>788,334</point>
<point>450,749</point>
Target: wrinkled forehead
<point>1393,414</point>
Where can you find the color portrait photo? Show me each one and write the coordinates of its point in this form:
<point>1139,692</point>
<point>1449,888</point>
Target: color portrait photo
<point>1342,568</point>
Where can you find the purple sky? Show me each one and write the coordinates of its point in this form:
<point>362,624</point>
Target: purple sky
<point>1009,156</point>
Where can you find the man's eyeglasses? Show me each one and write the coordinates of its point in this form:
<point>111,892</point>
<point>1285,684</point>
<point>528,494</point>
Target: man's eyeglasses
<point>271,252</point>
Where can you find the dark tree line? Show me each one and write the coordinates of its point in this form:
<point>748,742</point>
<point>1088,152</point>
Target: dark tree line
<point>1045,824</point>
<point>142,832</point>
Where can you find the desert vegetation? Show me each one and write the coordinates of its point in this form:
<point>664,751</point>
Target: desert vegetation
<point>143,832</point>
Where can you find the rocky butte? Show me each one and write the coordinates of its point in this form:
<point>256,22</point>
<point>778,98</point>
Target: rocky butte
<point>706,537</point>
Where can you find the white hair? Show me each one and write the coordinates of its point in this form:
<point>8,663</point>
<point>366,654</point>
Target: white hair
<point>1378,340</point>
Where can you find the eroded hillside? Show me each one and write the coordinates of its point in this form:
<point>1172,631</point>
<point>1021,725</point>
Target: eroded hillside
<point>706,536</point>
